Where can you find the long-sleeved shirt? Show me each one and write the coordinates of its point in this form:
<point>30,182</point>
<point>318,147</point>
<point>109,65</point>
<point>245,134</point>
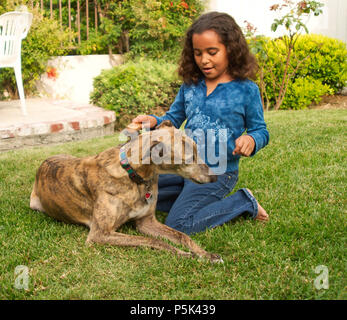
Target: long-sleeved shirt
<point>215,121</point>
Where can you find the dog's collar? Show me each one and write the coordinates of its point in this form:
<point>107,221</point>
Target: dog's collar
<point>133,175</point>
<point>128,168</point>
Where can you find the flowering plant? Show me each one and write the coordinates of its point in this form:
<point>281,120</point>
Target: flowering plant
<point>52,73</point>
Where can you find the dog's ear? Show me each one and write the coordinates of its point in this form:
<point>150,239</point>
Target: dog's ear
<point>165,124</point>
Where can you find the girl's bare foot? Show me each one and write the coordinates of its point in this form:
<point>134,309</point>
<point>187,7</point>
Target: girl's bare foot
<point>262,215</point>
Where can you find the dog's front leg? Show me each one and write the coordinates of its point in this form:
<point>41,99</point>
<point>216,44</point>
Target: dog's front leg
<point>151,226</point>
<point>109,214</point>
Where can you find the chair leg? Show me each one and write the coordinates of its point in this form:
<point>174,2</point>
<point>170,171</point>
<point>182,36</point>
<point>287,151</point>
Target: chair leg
<point>19,80</point>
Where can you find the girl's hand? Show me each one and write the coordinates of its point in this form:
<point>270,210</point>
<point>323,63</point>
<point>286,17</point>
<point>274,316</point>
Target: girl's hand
<point>147,121</point>
<point>244,146</point>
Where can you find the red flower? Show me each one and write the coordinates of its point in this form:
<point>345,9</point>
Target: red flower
<point>52,73</point>
<point>184,4</point>
<point>171,4</point>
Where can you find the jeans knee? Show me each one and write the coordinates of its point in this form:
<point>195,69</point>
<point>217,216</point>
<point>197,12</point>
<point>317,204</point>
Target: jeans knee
<point>172,223</point>
<point>184,225</point>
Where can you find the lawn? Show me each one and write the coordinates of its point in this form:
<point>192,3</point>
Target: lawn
<point>300,178</point>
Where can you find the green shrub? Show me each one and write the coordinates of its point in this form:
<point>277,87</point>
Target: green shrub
<point>327,59</point>
<point>44,40</point>
<point>150,28</point>
<point>159,26</point>
<point>323,60</point>
<point>141,87</point>
<point>2,8</point>
<point>94,45</point>
<point>303,92</point>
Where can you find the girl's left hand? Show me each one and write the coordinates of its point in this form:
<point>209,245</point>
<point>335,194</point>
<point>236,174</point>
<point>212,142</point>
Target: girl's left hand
<point>244,146</point>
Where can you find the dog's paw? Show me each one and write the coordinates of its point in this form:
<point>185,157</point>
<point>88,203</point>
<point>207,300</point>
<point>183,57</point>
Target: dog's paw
<point>215,258</point>
<point>184,254</point>
<point>211,257</point>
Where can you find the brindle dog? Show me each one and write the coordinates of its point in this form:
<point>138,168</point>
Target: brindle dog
<point>98,192</point>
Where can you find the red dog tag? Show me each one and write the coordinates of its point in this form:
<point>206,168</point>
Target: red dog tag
<point>148,196</point>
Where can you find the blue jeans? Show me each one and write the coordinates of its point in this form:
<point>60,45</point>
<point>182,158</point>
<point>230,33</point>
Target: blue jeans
<point>194,207</point>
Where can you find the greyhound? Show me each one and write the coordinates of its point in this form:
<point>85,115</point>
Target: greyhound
<point>104,191</point>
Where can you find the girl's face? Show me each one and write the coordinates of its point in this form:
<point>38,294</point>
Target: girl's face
<point>210,55</point>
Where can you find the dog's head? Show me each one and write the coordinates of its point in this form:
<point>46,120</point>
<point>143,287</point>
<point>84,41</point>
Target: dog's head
<point>169,150</point>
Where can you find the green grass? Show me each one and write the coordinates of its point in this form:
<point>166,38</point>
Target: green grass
<point>300,178</point>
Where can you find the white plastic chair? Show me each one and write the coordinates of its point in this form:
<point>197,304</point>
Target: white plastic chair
<point>14,27</point>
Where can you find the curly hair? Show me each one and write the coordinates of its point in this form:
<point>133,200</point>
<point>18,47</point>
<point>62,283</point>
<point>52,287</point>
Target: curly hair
<point>242,64</point>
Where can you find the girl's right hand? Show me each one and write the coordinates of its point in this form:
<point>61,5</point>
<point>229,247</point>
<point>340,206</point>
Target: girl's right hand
<point>147,121</point>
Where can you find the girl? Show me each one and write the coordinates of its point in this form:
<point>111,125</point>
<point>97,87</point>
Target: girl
<point>217,94</point>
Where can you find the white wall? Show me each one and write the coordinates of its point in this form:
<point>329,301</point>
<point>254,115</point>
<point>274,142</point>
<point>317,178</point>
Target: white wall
<point>333,21</point>
<point>75,75</point>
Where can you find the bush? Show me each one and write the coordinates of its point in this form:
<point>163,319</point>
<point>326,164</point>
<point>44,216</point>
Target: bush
<point>148,28</point>
<point>303,92</point>
<point>45,39</point>
<point>159,26</point>
<point>141,87</point>
<point>94,45</point>
<point>324,63</point>
<point>327,60</point>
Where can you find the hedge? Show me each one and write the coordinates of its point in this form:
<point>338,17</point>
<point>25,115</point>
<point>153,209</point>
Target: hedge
<point>149,86</point>
<point>323,64</point>
<point>136,88</point>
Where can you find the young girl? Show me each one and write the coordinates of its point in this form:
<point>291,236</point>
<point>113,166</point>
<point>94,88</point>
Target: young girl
<point>215,66</point>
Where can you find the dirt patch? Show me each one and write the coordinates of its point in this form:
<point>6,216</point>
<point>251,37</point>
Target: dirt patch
<point>332,102</point>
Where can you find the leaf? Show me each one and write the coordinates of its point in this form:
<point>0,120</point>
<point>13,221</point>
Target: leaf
<point>274,27</point>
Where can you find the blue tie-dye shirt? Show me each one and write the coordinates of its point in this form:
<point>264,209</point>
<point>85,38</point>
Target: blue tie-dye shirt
<point>234,106</point>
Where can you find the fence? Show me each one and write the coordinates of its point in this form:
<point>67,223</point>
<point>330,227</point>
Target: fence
<point>77,15</point>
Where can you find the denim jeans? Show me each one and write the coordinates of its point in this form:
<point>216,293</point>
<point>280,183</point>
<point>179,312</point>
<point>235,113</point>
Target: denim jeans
<point>194,207</point>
